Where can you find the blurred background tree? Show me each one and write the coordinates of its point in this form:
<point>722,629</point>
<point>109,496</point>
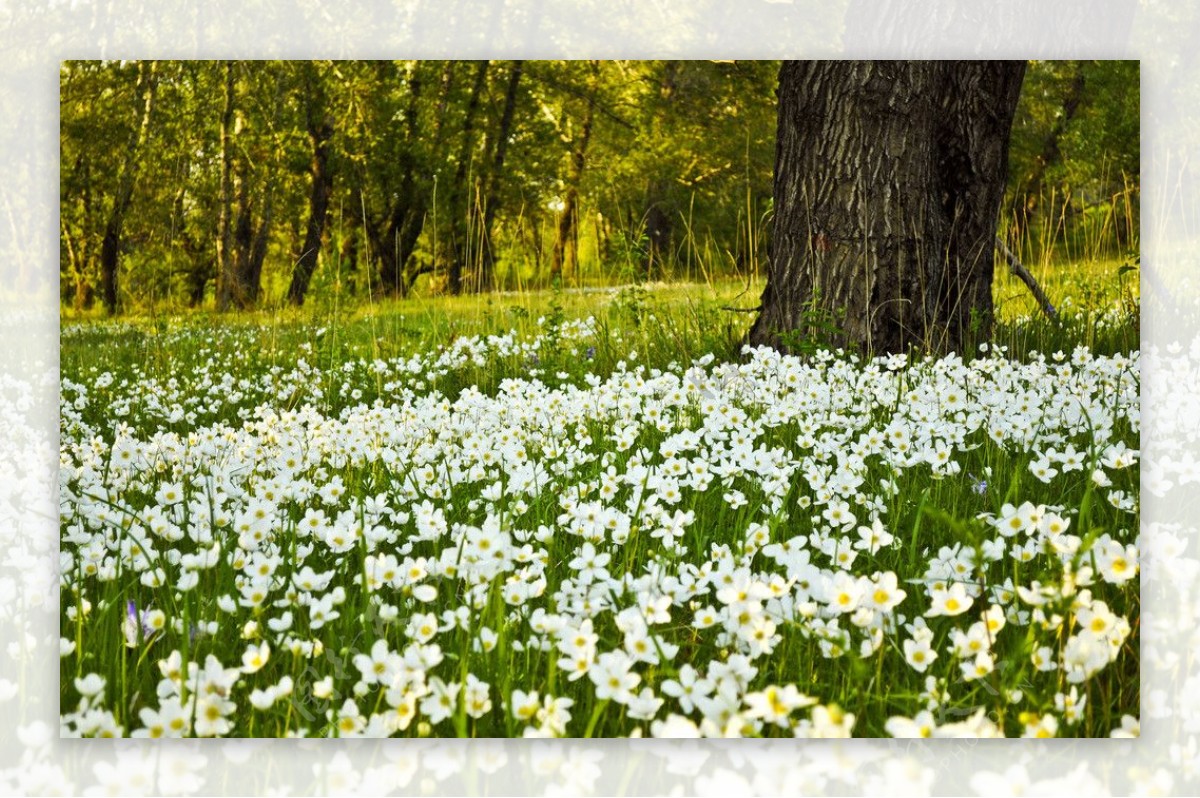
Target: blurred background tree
<point>1074,166</point>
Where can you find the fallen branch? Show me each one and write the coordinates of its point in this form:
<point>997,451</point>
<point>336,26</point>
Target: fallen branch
<point>1018,269</point>
<point>741,310</point>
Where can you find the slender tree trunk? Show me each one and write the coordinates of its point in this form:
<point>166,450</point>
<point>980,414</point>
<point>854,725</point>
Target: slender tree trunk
<point>226,274</point>
<point>566,219</point>
<point>110,248</point>
<point>318,212</point>
<point>535,241</point>
<point>243,239</point>
<point>71,252</point>
<point>396,241</point>
<point>348,244</point>
<point>491,200</point>
<point>888,182</point>
<point>81,297</point>
<point>659,228</point>
<point>1051,152</point>
<point>657,217</point>
<point>461,210</point>
<point>78,245</point>
<point>252,277</point>
<point>320,130</point>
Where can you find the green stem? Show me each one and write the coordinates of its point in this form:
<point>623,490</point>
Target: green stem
<point>599,710</point>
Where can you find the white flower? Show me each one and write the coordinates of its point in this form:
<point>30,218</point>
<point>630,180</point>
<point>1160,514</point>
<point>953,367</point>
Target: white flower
<point>674,726</point>
<point>524,706</point>
<point>612,677</point>
<point>774,704</point>
<point>920,725</point>
<point>874,537</point>
<point>949,601</point>
<point>441,700</point>
<point>255,657</point>
<point>91,685</point>
<point>262,699</point>
<point>1130,727</point>
<point>919,654</point>
<point>687,688</point>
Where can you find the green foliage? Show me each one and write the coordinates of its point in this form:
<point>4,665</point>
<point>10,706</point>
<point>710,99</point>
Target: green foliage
<point>1074,161</point>
<point>677,170</point>
<point>675,182</point>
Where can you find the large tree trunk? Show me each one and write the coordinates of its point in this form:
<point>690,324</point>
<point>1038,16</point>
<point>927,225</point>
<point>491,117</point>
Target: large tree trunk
<point>110,248</point>
<point>888,182</point>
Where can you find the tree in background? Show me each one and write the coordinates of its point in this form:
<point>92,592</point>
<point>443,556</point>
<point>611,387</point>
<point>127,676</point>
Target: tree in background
<point>1076,157</point>
<point>888,183</point>
<point>122,106</point>
<point>263,182</point>
<point>498,149</point>
<point>472,175</point>
<point>687,187</point>
<point>566,243</point>
<point>319,125</point>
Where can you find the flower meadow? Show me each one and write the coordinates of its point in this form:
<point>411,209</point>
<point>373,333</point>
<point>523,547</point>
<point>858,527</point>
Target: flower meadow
<point>546,534</point>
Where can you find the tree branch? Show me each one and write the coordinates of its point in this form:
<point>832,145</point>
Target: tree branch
<point>1018,269</point>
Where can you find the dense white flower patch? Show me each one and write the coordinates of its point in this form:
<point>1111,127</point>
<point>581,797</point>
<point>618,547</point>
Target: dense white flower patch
<point>822,548</point>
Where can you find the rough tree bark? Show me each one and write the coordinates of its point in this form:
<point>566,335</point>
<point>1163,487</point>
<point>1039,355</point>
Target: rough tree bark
<point>888,182</point>
<point>110,248</point>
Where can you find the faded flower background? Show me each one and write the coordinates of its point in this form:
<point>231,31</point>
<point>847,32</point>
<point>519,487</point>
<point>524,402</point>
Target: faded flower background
<point>1164,759</point>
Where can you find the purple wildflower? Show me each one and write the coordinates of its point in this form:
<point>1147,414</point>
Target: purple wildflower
<point>136,625</point>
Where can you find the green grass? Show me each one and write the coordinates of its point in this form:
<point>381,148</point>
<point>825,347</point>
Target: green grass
<point>200,392</point>
<point>1098,300</point>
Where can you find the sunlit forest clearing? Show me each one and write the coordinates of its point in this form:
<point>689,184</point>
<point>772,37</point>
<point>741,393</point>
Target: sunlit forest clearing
<point>414,398</point>
<point>257,184</point>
